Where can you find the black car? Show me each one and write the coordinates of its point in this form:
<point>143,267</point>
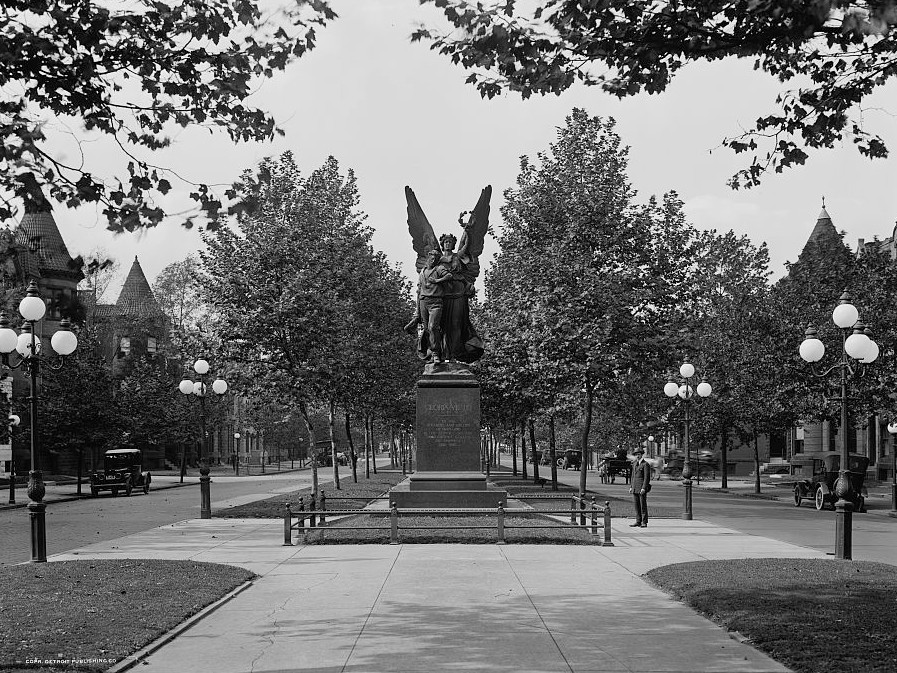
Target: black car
<point>122,471</point>
<point>572,458</point>
<point>818,472</point>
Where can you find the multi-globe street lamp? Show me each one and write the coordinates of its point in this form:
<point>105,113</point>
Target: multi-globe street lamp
<point>28,347</point>
<point>199,391</point>
<point>686,392</point>
<point>857,350</point>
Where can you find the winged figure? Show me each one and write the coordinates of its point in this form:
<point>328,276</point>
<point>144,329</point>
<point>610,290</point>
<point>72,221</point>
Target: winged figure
<point>446,282</point>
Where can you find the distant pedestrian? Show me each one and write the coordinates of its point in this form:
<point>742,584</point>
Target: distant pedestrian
<point>641,484</point>
<point>602,471</point>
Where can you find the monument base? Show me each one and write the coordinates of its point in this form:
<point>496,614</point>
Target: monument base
<point>447,490</point>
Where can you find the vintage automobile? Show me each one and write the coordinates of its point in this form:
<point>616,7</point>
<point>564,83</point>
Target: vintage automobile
<point>572,458</point>
<point>121,472</point>
<point>703,466</point>
<point>817,473</point>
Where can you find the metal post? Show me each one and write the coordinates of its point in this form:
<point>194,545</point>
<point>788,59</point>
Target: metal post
<point>301,521</point>
<point>607,541</point>
<point>12,471</point>
<point>287,526</point>
<point>843,507</point>
<point>311,510</point>
<point>501,524</point>
<point>572,507</point>
<point>393,524</point>
<point>686,467</point>
<point>36,489</point>
<point>205,496</point>
<point>893,476</point>
<point>582,511</point>
<point>323,507</point>
<point>594,517</point>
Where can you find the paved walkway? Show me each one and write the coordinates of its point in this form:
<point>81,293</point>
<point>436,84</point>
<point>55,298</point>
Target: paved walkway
<point>422,608</point>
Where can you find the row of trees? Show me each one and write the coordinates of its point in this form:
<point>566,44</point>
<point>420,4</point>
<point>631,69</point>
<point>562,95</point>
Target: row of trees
<point>309,313</point>
<point>595,297</point>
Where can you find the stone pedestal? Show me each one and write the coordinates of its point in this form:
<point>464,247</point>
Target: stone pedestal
<point>447,431</point>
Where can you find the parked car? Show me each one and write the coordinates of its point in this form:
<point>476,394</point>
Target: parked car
<point>122,471</point>
<point>817,473</point>
<point>325,459</point>
<point>572,458</point>
<point>703,465</point>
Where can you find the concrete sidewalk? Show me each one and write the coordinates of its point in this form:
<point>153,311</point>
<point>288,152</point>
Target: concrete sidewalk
<point>421,608</point>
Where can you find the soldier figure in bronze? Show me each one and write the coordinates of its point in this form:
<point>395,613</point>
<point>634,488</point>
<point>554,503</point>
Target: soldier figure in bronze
<point>455,339</point>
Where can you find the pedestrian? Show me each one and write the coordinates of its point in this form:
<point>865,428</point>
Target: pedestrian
<point>641,484</point>
<point>602,471</point>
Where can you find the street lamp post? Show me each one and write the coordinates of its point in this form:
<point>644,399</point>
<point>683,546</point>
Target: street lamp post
<point>199,391</point>
<point>686,393</point>
<point>237,453</point>
<point>857,349</point>
<point>28,346</point>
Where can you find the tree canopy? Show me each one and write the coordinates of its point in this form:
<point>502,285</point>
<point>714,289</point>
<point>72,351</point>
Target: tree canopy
<point>135,73</point>
<point>833,53</point>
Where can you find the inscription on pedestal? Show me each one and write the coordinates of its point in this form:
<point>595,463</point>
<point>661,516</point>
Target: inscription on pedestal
<point>448,428</point>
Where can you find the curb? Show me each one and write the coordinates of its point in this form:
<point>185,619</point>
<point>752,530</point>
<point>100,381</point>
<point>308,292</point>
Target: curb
<point>73,498</point>
<point>133,659</point>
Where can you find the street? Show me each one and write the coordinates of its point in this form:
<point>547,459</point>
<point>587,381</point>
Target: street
<point>77,523</point>
<point>874,533</point>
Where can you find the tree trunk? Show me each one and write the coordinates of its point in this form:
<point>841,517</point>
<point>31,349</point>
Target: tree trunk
<point>724,456</point>
<point>756,464</point>
<point>373,441</point>
<point>514,451</point>
<point>183,461</point>
<point>331,413</point>
<point>523,469</point>
<point>80,461</point>
<point>392,447</point>
<point>367,447</point>
<point>352,456</point>
<point>584,440</point>
<point>312,451</point>
<point>552,453</point>
<point>532,443</point>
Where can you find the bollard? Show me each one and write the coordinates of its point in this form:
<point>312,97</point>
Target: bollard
<point>607,540</point>
<point>287,526</point>
<point>323,507</point>
<point>501,524</point>
<point>572,507</point>
<point>393,523</point>
<point>594,517</point>
<point>311,511</point>
<point>582,510</point>
<point>301,522</point>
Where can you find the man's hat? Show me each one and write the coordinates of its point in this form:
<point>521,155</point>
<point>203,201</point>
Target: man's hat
<point>638,451</point>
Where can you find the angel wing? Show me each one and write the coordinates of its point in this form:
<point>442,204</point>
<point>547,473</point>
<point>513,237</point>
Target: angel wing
<point>422,235</point>
<point>475,231</point>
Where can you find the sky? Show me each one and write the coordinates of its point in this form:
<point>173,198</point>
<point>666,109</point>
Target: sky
<point>400,114</point>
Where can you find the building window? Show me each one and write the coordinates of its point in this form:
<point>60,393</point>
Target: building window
<point>151,345</point>
<point>124,347</point>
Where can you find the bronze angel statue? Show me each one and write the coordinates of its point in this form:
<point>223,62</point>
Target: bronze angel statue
<point>446,282</point>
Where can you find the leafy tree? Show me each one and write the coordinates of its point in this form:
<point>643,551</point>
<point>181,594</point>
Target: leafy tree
<point>291,282</point>
<point>77,413</point>
<point>178,291</point>
<point>133,74</point>
<point>575,271</point>
<point>835,52</point>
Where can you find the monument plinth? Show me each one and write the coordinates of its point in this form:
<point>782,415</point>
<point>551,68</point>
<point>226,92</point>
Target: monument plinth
<point>447,430</point>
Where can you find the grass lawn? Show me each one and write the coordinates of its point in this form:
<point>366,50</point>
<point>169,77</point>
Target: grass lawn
<point>89,614</point>
<point>800,612</point>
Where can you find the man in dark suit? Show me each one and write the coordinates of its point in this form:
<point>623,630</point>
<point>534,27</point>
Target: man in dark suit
<point>641,483</point>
